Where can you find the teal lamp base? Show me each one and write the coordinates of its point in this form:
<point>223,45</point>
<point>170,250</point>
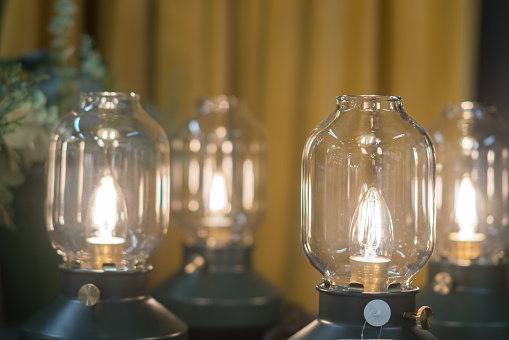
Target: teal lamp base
<point>470,302</point>
<point>103,305</point>
<point>219,296</point>
<point>345,314</point>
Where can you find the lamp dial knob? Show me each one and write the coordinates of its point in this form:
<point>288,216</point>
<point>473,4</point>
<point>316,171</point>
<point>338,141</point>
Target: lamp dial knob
<point>423,317</point>
<point>89,294</point>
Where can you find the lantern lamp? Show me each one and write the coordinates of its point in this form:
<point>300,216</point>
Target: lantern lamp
<point>368,174</point>
<point>107,209</point>
<point>468,283</point>
<point>218,169</point>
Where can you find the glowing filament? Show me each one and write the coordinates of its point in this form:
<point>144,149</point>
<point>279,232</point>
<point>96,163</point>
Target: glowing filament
<point>371,231</point>
<point>218,201</point>
<point>371,243</point>
<point>466,214</point>
<point>105,214</point>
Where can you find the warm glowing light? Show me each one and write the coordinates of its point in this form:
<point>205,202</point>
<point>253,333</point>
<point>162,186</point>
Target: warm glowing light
<point>466,214</point>
<point>371,231</point>
<point>216,221</point>
<point>371,242</point>
<point>107,226</point>
<point>466,244</point>
<point>105,214</point>
<point>218,207</point>
<point>218,195</point>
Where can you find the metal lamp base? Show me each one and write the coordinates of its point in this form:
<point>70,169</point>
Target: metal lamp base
<point>470,302</point>
<point>219,296</point>
<point>341,315</point>
<point>103,305</point>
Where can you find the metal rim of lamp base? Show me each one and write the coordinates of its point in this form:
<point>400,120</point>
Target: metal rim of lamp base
<point>103,305</point>
<point>219,296</point>
<point>470,302</point>
<point>344,315</point>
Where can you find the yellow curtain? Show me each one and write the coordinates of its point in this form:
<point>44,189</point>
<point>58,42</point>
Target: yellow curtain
<point>288,60</point>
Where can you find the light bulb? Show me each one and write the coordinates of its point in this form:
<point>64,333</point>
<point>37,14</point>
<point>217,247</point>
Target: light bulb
<point>465,210</point>
<point>371,242</point>
<point>218,198</point>
<point>218,162</point>
<point>216,219</point>
<point>466,243</point>
<point>107,224</point>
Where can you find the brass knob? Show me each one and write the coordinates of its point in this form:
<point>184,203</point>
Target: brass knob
<point>423,317</point>
<point>89,294</point>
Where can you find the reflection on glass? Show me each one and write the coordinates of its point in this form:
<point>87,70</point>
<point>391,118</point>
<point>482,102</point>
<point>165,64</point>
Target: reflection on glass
<point>194,176</point>
<point>248,185</point>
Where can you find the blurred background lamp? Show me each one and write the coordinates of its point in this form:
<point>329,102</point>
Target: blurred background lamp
<point>107,209</point>
<point>218,170</point>
<point>468,286</point>
<point>368,176</point>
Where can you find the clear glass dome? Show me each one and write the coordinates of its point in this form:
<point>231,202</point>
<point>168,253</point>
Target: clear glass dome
<point>368,176</point>
<point>107,203</point>
<point>218,165</point>
<point>472,148</point>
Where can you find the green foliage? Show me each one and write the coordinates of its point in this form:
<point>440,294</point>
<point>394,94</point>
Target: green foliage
<point>15,91</point>
<point>61,26</point>
<point>91,66</point>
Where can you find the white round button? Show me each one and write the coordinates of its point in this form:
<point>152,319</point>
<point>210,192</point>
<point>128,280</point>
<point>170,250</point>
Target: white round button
<point>377,313</point>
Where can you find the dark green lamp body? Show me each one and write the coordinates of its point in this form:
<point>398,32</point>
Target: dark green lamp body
<point>345,314</point>
<point>219,296</point>
<point>470,302</point>
<point>104,305</point>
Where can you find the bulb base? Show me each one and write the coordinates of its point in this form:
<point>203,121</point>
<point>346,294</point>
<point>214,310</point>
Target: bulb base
<point>106,305</point>
<point>372,275</point>
<point>219,296</point>
<point>105,254</point>
<point>341,315</point>
<point>463,252</point>
<point>470,302</point>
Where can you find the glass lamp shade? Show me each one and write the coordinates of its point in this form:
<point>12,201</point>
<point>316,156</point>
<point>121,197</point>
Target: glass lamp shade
<point>472,148</point>
<point>108,184</point>
<point>368,176</point>
<point>218,166</point>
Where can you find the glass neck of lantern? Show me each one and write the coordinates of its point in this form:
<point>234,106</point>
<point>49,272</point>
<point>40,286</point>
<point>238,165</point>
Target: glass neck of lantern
<point>369,103</point>
<point>216,104</point>
<point>468,111</point>
<point>110,101</point>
